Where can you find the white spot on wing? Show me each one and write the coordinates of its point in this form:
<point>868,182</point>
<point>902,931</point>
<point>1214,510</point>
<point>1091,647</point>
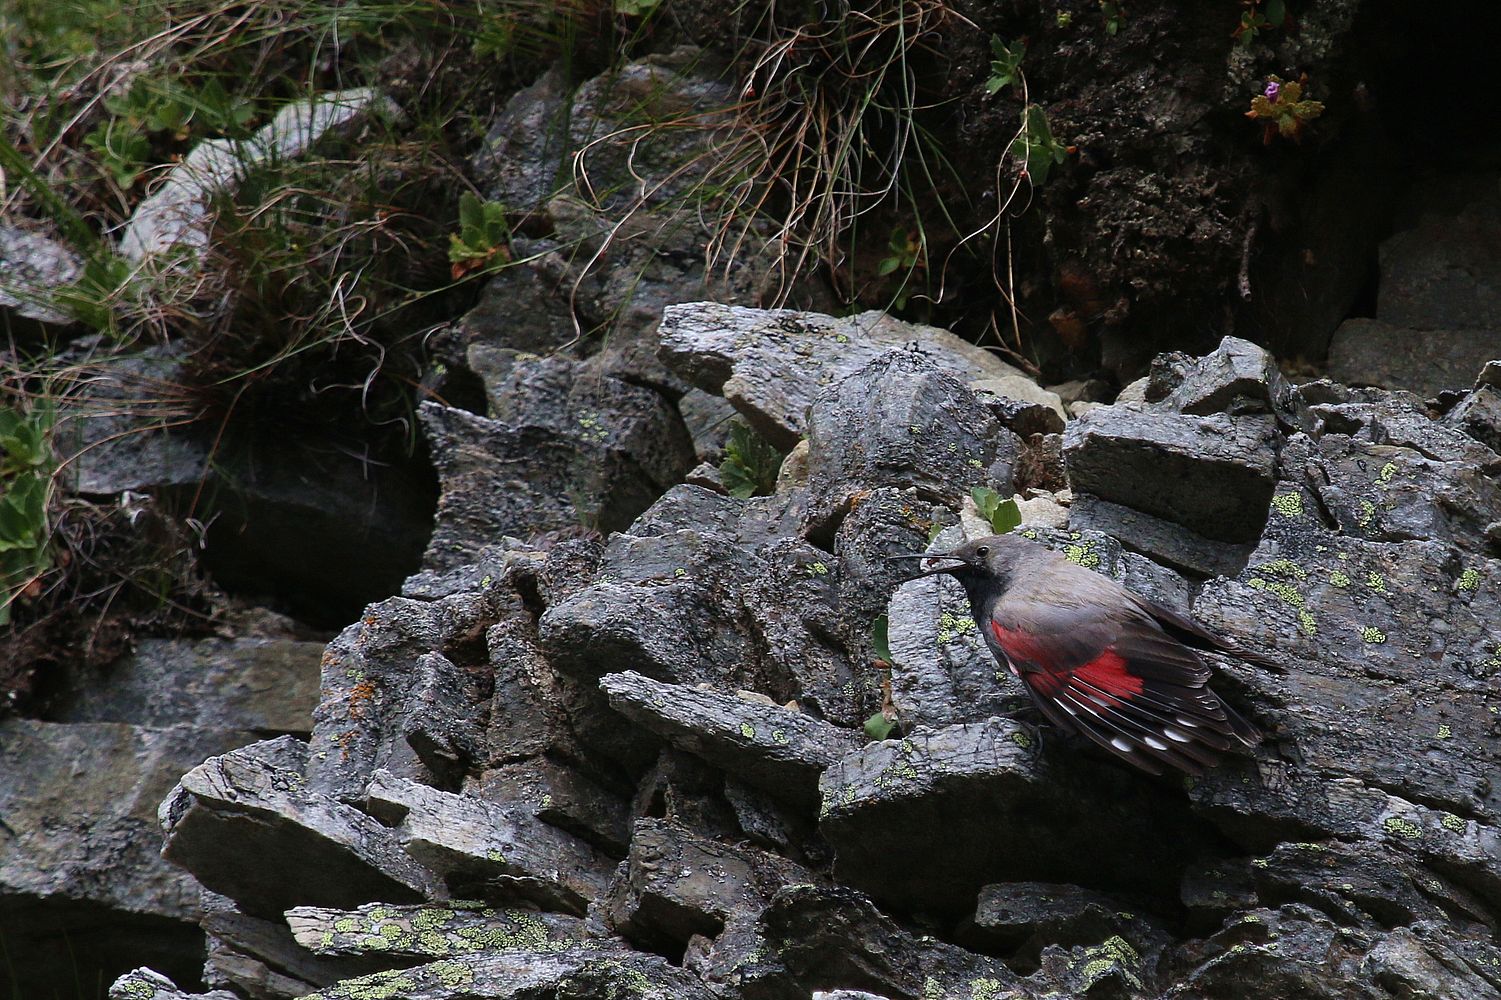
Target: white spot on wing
<point>1173,734</point>
<point>1121,744</point>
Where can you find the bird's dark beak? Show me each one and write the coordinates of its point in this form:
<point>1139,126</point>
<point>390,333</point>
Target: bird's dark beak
<point>945,563</point>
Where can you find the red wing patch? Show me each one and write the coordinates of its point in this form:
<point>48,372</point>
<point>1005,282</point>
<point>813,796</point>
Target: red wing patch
<point>1106,674</point>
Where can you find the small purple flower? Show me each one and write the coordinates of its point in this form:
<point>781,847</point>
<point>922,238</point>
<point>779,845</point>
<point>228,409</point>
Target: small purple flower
<point>1273,88</point>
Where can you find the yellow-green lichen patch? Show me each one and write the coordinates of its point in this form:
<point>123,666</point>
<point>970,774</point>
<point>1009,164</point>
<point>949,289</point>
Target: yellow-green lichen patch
<point>1397,826</point>
<point>1469,580</point>
<point>747,730</point>
<point>952,626</point>
<point>431,918</point>
<point>1283,567</point>
<point>1376,582</point>
<point>1288,504</point>
<point>818,569</point>
<point>451,973</point>
<point>1114,955</point>
<point>779,737</point>
<point>347,925</point>
<point>1022,740</point>
<point>987,989</point>
<point>1307,622</point>
<point>1367,513</point>
<point>494,854</point>
<point>1339,579</point>
<point>1444,732</point>
<point>1082,553</point>
<point>1030,533</point>
<point>1373,635</point>
<point>138,989</point>
<point>377,986</point>
<point>1453,822</point>
<point>1387,472</point>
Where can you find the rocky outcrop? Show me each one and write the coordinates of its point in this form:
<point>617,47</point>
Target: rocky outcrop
<point>657,741</point>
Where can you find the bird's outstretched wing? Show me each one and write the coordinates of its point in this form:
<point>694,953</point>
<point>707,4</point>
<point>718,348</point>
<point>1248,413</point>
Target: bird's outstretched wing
<point>1120,680</point>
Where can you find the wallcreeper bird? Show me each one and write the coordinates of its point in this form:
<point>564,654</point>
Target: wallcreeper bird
<point>1096,658</point>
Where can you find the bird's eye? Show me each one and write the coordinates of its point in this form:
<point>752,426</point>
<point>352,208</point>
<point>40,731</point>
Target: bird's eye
<point>983,551</point>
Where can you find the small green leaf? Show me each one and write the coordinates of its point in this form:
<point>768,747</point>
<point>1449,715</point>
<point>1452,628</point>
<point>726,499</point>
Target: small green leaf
<point>888,264</point>
<point>751,465</point>
<point>878,727</point>
<point>878,637</point>
<point>986,500</point>
<point>1005,517</point>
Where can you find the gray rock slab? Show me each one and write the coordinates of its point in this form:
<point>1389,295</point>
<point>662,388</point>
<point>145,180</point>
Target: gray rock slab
<point>772,364</point>
<point>263,686</point>
<point>408,934</point>
<point>562,796</point>
<point>33,269</point>
<point>902,421</point>
<point>1212,474</point>
<point>489,849</point>
<point>258,956</point>
<point>327,853</point>
<point>1426,362</point>
<point>765,745</point>
<point>1442,274</point>
<point>1479,416</point>
<point>79,809</point>
<point>1020,918</point>
<point>1237,377</point>
<point>1161,540</point>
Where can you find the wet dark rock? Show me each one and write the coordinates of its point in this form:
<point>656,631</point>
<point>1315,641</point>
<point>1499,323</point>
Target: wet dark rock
<point>774,748</point>
<point>263,687</point>
<point>488,850</point>
<point>1018,919</point>
<point>1426,362</point>
<point>902,421</point>
<point>1211,474</point>
<point>885,806</point>
<point>675,885</point>
<point>384,935</point>
<point>82,882</point>
<point>328,853</point>
<point>773,364</point>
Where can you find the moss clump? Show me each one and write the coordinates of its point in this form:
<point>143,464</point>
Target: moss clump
<point>1402,828</point>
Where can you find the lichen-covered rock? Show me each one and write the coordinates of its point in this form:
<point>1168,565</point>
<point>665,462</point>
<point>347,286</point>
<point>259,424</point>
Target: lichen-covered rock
<point>1019,919</point>
<point>145,984</point>
<point>326,853</point>
<point>410,934</point>
<point>33,270</point>
<point>258,957</point>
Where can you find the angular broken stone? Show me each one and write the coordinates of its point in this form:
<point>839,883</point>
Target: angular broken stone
<point>1166,542</point>
<point>406,934</point>
<point>487,850</point>
<point>1020,918</point>
<point>258,956</point>
<point>674,885</point>
<point>1425,362</point>
<point>902,421</point>
<point>1002,810</point>
<point>144,984</point>
<point>561,796</point>
<point>1021,405</point>
<point>1212,474</point>
<point>33,270</point>
<point>772,364</point>
<point>773,748</point>
<point>1238,378</point>
<point>328,853</point>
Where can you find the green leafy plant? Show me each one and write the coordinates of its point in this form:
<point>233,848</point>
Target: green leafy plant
<point>121,150</point>
<point>1281,109</point>
<point>1006,67</point>
<point>1114,14</point>
<point>906,254</point>
<point>26,465</point>
<point>483,238</point>
<point>90,299</point>
<point>1036,147</point>
<point>750,465</point>
<point>1003,515</point>
<point>1257,17</point>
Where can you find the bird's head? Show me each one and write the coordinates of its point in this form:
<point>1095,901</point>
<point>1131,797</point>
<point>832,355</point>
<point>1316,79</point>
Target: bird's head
<point>983,564</point>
